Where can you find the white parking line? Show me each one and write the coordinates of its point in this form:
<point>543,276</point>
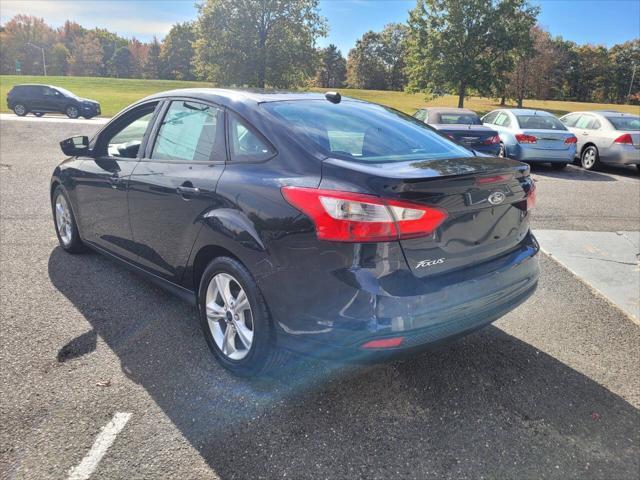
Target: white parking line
<point>9,117</point>
<point>104,440</point>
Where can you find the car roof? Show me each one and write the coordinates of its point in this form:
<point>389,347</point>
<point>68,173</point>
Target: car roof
<point>527,111</point>
<point>448,110</point>
<point>228,96</point>
<point>604,113</point>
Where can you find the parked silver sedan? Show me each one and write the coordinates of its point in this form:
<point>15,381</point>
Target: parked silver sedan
<point>532,136</point>
<point>605,137</point>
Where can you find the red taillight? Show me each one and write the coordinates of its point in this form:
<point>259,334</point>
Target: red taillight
<point>522,138</point>
<point>571,140</point>
<point>531,197</point>
<point>384,343</point>
<point>492,140</point>
<point>493,179</point>
<point>355,217</point>
<point>624,139</point>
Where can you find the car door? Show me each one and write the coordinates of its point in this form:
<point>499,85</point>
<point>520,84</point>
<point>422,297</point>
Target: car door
<point>583,131</point>
<point>174,187</point>
<point>102,188</point>
<point>38,98</point>
<point>52,100</point>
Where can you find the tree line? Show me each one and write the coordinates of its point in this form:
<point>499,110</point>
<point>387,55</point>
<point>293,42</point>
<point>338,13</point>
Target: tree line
<point>484,47</point>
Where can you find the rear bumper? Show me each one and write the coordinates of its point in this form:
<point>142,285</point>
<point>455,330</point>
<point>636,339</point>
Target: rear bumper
<point>446,307</point>
<point>530,154</point>
<point>621,155</point>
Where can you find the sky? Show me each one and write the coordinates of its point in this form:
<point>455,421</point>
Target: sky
<point>604,22</point>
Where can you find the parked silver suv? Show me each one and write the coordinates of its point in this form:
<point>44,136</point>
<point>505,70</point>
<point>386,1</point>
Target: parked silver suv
<point>605,137</point>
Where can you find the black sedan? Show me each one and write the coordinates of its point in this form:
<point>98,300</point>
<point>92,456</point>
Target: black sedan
<point>302,222</point>
<point>463,126</point>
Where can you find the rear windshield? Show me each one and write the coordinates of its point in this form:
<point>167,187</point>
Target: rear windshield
<point>625,123</point>
<point>544,122</point>
<point>364,131</point>
<point>459,119</point>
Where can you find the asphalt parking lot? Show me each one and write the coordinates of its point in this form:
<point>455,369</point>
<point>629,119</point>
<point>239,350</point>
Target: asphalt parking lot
<point>549,391</point>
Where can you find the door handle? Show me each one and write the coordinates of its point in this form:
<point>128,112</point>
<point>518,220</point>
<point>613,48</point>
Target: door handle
<point>114,180</point>
<point>183,190</point>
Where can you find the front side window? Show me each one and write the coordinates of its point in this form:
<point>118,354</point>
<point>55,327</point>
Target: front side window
<point>189,132</point>
<point>570,120</point>
<point>125,137</point>
<point>246,145</point>
<point>363,132</point>
<point>502,120</point>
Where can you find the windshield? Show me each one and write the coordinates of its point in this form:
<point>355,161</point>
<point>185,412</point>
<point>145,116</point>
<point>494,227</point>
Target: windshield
<point>459,119</point>
<point>625,123</point>
<point>543,122</point>
<point>364,131</point>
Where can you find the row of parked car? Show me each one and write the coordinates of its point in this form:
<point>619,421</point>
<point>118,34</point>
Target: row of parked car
<point>536,136</point>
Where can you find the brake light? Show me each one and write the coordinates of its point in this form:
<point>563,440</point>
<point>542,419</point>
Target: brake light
<point>355,217</point>
<point>531,197</point>
<point>571,140</point>
<point>384,343</point>
<point>523,138</point>
<point>624,139</point>
<point>494,140</point>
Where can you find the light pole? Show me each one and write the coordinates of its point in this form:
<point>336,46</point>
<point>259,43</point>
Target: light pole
<point>44,62</point>
<point>633,75</point>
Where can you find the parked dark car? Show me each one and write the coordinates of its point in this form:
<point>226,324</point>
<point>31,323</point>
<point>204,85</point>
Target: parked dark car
<point>302,222</point>
<point>462,125</point>
<point>41,99</point>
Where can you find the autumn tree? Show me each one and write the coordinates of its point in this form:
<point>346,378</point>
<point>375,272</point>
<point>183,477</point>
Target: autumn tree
<point>58,60</point>
<point>177,53</point>
<point>121,63</point>
<point>86,56</point>
<point>453,42</point>
<point>257,43</point>
<point>332,72</point>
<point>18,38</point>
<point>152,67</point>
<point>365,67</point>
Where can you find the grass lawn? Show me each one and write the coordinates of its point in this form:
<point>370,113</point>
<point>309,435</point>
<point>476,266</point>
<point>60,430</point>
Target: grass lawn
<point>115,94</point>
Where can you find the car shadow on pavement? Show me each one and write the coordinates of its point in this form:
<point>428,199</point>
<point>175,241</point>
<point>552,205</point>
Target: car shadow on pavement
<point>571,173</point>
<point>488,406</point>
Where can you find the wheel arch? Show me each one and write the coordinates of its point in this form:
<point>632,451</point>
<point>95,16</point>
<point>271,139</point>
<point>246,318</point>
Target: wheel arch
<point>588,144</point>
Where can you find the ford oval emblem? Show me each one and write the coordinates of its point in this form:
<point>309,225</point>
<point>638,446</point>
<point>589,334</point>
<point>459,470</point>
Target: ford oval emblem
<point>496,198</point>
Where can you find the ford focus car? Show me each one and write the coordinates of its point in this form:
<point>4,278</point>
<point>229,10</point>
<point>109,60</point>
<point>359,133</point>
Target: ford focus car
<point>532,136</point>
<point>302,222</point>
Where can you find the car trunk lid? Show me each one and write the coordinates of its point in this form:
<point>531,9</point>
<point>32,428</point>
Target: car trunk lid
<point>470,136</point>
<point>549,139</point>
<point>484,197</point>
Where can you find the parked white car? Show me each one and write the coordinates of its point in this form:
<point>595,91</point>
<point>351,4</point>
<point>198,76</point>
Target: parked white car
<point>605,137</point>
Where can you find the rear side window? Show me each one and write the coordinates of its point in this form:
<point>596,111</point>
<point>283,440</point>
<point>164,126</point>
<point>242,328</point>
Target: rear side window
<point>421,115</point>
<point>189,132</point>
<point>543,122</point>
<point>245,144</point>
<point>363,131</point>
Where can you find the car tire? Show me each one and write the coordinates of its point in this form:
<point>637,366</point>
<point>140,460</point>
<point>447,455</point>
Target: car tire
<point>20,109</point>
<point>38,114</point>
<point>218,314</point>
<point>590,158</point>
<point>65,222</point>
<point>72,112</point>
<point>502,153</point>
<point>558,166</point>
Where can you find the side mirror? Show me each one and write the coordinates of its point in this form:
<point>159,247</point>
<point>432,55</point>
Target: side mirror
<point>74,146</point>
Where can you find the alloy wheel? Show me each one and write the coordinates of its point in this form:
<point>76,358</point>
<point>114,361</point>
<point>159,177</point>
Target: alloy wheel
<point>20,110</point>
<point>63,220</point>
<point>229,316</point>
<point>72,112</point>
<point>589,158</point>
